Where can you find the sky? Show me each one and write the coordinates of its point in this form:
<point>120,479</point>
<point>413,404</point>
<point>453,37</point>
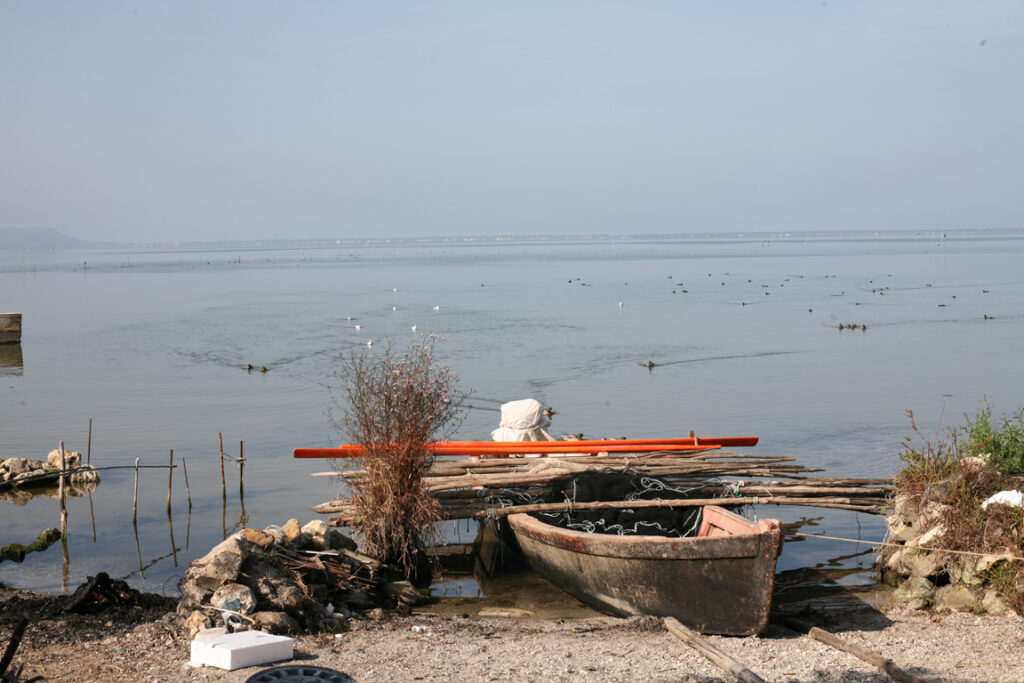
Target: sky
<point>238,120</point>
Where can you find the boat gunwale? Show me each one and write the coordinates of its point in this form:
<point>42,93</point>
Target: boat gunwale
<point>635,546</point>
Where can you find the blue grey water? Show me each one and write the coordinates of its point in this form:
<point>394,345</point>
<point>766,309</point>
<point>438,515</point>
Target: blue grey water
<point>744,333</point>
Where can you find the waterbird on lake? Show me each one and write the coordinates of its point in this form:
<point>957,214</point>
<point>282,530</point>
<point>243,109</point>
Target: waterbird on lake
<point>248,367</point>
<point>413,328</point>
<point>263,369</point>
<point>437,308</point>
<point>357,327</point>
<point>369,343</point>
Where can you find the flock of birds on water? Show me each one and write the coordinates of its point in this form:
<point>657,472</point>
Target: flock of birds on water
<point>650,365</point>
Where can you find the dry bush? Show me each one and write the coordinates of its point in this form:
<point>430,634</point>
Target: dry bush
<point>392,406</point>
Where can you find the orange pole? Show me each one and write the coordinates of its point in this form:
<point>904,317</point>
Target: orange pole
<point>513,448</point>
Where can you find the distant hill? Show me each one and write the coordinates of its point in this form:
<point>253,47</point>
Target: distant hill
<point>41,238</point>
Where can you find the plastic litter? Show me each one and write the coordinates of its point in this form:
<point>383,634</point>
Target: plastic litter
<point>1014,498</point>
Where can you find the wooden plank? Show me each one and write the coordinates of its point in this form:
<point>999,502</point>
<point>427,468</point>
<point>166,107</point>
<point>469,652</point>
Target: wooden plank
<point>720,658</point>
<point>884,665</point>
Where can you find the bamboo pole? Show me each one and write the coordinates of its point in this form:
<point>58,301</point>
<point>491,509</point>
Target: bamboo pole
<point>88,448</point>
<point>135,497</point>
<point>721,659</point>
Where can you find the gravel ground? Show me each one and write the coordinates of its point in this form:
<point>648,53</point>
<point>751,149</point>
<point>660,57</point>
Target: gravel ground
<point>135,645</point>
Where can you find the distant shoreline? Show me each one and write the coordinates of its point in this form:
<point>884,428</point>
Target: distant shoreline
<point>46,238</point>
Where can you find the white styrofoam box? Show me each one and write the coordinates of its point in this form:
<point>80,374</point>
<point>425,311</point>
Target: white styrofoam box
<point>235,650</point>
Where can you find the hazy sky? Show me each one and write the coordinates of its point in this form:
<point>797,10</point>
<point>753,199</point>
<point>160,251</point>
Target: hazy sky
<point>145,121</point>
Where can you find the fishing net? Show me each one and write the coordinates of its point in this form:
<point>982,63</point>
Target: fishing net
<point>625,485</point>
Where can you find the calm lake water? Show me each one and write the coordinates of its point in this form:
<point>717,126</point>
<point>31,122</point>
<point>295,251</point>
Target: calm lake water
<point>150,344</point>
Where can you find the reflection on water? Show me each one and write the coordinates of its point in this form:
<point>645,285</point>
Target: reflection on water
<point>21,496</point>
<point>12,364</point>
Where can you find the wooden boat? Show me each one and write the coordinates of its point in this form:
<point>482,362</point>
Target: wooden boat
<point>719,581</point>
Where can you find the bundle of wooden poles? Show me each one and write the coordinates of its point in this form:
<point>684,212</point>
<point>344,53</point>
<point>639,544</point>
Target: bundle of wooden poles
<point>495,486</point>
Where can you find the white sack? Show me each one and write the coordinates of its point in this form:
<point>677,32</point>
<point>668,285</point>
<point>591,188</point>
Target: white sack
<point>1014,498</point>
<point>522,421</point>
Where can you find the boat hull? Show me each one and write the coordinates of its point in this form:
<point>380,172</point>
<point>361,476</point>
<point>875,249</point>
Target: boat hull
<point>719,583</point>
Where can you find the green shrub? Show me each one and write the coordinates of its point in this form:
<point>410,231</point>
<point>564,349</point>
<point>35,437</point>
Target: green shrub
<point>1005,443</point>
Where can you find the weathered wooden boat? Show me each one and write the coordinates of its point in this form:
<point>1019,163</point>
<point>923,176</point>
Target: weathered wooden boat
<point>719,581</point>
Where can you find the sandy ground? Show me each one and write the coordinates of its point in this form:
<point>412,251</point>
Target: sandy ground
<point>446,642</point>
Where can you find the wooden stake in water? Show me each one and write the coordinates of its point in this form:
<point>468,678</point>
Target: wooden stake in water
<point>62,494</point>
<point>223,484</point>
<point>170,476</point>
<point>243,518</point>
<point>88,448</point>
<point>188,492</point>
<point>135,498</point>
<point>241,471</point>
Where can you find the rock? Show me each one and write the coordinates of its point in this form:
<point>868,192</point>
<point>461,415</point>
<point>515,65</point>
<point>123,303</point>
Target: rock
<point>335,540</point>
<point>917,562</point>
<point>275,622</point>
<point>21,467</point>
<point>986,562</point>
<point>992,603</point>
<point>292,532</point>
<point>900,528</point>
<point>953,598</point>
<point>235,597</point>
<point>85,476</point>
<point>403,591</point>
<point>914,593</point>
<point>316,527</point>
<point>71,460</point>
<point>963,572</point>
<point>220,565</point>
<point>276,532</point>
<point>193,596</point>
<point>263,539</point>
<point>196,622</point>
<point>928,537</point>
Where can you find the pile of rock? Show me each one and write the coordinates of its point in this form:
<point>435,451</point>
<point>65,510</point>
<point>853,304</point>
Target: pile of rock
<point>925,575</point>
<point>29,472</point>
<point>287,579</point>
